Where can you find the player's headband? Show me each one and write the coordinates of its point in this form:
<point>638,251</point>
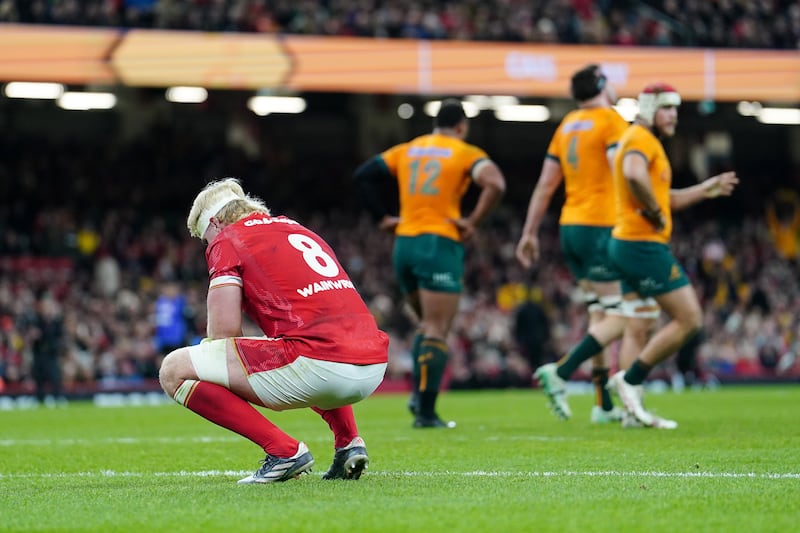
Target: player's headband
<point>204,219</point>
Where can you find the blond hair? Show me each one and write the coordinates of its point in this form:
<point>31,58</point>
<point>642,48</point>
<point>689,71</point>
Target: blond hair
<point>224,199</point>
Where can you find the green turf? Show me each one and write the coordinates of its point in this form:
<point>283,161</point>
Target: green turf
<point>732,465</point>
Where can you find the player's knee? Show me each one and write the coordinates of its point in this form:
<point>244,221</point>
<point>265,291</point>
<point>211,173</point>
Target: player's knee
<point>608,329</point>
<point>639,328</point>
<point>692,321</point>
<point>169,375</point>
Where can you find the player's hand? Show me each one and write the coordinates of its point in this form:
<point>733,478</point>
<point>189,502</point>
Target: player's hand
<point>465,227</point>
<point>721,184</point>
<point>528,250</point>
<point>655,218</point>
<point>388,223</point>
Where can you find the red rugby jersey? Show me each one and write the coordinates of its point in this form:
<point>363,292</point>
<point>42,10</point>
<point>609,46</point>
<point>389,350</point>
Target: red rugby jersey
<point>294,288</point>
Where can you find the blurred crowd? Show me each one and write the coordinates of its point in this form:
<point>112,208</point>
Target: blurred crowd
<point>99,278</point>
<point>712,23</point>
<point>128,287</point>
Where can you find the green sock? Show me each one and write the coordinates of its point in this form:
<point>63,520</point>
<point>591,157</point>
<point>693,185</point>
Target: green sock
<point>600,380</point>
<point>432,362</point>
<point>583,351</point>
<point>637,373</point>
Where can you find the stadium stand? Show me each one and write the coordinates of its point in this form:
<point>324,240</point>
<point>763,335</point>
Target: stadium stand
<point>720,23</point>
<point>99,224</point>
<point>106,266</point>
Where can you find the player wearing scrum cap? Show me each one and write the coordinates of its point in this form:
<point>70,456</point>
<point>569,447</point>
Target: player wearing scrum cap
<point>321,349</point>
<point>639,245</point>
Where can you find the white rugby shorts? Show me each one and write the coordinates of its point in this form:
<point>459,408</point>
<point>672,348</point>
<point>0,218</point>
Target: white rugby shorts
<point>304,382</point>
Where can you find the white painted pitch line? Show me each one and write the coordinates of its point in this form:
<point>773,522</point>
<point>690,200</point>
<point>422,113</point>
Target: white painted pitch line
<point>113,440</point>
<point>477,473</point>
<point>7,443</point>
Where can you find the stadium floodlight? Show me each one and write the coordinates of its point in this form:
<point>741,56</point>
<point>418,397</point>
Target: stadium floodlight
<point>628,108</point>
<point>499,100</point>
<point>432,108</point>
<point>264,105</point>
<point>84,101</point>
<point>748,109</point>
<point>779,115</point>
<point>187,95</point>
<point>405,111</point>
<point>522,113</point>
<point>481,101</point>
<point>490,102</point>
<point>34,90</point>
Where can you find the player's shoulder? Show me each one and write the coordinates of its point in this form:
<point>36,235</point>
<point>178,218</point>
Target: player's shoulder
<point>639,138</point>
<point>571,116</point>
<point>473,150</point>
<point>583,120</point>
<point>641,132</point>
<point>602,115</point>
<point>634,130</point>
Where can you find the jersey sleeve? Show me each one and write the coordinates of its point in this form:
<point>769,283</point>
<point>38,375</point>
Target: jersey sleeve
<point>639,144</point>
<point>472,157</point>
<point>391,157</point>
<point>224,265</point>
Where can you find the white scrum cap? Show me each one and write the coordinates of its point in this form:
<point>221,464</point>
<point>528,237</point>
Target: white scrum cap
<point>655,96</point>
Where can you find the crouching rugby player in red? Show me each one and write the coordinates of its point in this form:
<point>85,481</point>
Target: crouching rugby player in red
<point>321,346</point>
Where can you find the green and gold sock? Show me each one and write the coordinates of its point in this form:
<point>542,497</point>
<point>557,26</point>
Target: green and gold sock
<point>600,380</point>
<point>432,361</point>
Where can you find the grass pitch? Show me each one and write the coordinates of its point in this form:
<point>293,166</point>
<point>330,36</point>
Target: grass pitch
<point>732,465</point>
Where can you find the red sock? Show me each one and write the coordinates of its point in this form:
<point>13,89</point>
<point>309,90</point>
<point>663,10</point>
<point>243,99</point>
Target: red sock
<point>342,422</point>
<point>221,406</point>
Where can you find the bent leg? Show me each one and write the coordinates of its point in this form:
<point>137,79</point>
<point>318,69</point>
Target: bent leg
<point>224,402</point>
<point>598,337</point>
<point>686,317</point>
<point>608,298</point>
<point>634,339</point>
<point>342,423</point>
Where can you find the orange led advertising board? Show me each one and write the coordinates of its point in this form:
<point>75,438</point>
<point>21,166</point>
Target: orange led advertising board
<point>156,58</point>
<point>53,53</point>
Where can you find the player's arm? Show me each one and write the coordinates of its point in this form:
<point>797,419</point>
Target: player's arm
<point>549,179</point>
<point>719,185</point>
<point>488,176</point>
<point>637,176</point>
<point>374,183</point>
<point>224,305</point>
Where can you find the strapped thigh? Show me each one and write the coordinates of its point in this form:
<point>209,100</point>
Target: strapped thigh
<point>641,308</point>
<point>210,361</point>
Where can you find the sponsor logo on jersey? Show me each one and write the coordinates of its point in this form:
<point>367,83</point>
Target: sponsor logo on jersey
<point>429,151</point>
<point>650,284</point>
<point>578,125</point>
<point>442,277</point>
